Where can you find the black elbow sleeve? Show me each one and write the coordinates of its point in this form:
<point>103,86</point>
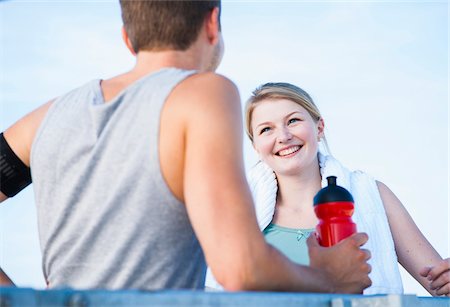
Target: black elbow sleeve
<point>14,174</point>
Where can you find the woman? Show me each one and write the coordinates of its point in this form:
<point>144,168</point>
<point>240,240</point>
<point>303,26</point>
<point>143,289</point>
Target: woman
<point>287,132</point>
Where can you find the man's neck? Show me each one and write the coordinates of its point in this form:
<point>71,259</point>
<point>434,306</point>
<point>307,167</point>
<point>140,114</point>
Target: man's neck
<point>148,62</point>
<point>151,61</point>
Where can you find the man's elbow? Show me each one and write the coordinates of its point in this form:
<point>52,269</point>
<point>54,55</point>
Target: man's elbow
<point>238,279</point>
<point>235,283</point>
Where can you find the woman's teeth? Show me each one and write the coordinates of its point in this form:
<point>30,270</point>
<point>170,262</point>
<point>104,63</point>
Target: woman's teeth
<point>289,150</point>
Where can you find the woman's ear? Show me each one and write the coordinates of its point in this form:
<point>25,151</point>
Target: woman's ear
<point>127,41</point>
<point>320,128</point>
<point>256,149</point>
<point>253,144</point>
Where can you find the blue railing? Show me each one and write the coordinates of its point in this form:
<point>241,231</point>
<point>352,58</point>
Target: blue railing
<point>24,297</point>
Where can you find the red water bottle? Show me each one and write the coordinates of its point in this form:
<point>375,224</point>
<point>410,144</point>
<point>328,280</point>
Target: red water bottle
<point>334,208</point>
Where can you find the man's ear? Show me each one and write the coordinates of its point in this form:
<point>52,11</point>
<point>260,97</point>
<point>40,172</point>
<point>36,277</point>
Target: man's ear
<point>127,41</point>
<point>212,25</point>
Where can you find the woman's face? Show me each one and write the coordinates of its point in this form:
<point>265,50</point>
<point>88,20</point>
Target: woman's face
<point>285,136</point>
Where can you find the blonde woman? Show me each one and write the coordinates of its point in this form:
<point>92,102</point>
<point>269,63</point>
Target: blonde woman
<point>287,131</point>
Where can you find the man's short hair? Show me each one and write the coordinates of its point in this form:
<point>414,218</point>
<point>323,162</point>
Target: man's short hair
<point>163,25</point>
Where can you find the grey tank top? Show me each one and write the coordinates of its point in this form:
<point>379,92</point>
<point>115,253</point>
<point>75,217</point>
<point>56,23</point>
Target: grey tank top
<point>106,217</point>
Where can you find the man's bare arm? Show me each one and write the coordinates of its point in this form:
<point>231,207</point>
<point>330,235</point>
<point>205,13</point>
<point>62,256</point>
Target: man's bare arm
<point>21,134</point>
<point>5,281</point>
<point>220,205</point>
<point>3,197</point>
<point>20,137</point>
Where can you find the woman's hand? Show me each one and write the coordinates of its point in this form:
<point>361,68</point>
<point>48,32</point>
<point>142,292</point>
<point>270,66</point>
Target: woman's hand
<point>439,277</point>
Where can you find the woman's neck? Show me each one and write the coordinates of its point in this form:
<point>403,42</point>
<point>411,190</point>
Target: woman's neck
<point>294,207</point>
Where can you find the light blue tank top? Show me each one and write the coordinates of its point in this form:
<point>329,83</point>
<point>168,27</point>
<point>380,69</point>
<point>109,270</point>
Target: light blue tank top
<point>106,217</point>
<point>291,242</point>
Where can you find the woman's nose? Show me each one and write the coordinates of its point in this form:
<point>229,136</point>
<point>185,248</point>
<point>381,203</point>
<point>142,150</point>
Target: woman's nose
<point>284,135</point>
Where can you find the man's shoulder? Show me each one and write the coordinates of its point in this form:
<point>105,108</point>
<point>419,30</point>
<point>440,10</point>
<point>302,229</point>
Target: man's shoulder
<point>207,83</point>
<point>204,91</point>
<point>209,78</point>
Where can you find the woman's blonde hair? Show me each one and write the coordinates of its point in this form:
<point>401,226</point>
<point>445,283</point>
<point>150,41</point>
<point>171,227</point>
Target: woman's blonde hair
<point>280,90</point>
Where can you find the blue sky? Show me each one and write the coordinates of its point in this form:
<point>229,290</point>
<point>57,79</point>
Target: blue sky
<point>377,70</point>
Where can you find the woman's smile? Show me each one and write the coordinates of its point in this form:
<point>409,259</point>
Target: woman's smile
<point>289,151</point>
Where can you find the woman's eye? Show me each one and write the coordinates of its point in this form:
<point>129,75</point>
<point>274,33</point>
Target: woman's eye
<point>263,130</point>
<point>293,120</point>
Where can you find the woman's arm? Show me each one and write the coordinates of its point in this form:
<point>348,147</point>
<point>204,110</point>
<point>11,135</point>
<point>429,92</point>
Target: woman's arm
<point>414,252</point>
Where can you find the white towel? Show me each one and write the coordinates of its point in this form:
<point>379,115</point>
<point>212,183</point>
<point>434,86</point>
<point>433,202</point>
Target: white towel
<point>369,216</point>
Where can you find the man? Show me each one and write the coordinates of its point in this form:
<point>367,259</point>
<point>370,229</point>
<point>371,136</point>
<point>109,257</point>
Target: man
<point>139,178</point>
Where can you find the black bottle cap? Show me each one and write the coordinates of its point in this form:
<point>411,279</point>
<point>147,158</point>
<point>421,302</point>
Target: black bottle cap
<point>332,193</point>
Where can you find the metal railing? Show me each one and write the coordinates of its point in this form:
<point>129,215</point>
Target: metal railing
<point>25,297</point>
